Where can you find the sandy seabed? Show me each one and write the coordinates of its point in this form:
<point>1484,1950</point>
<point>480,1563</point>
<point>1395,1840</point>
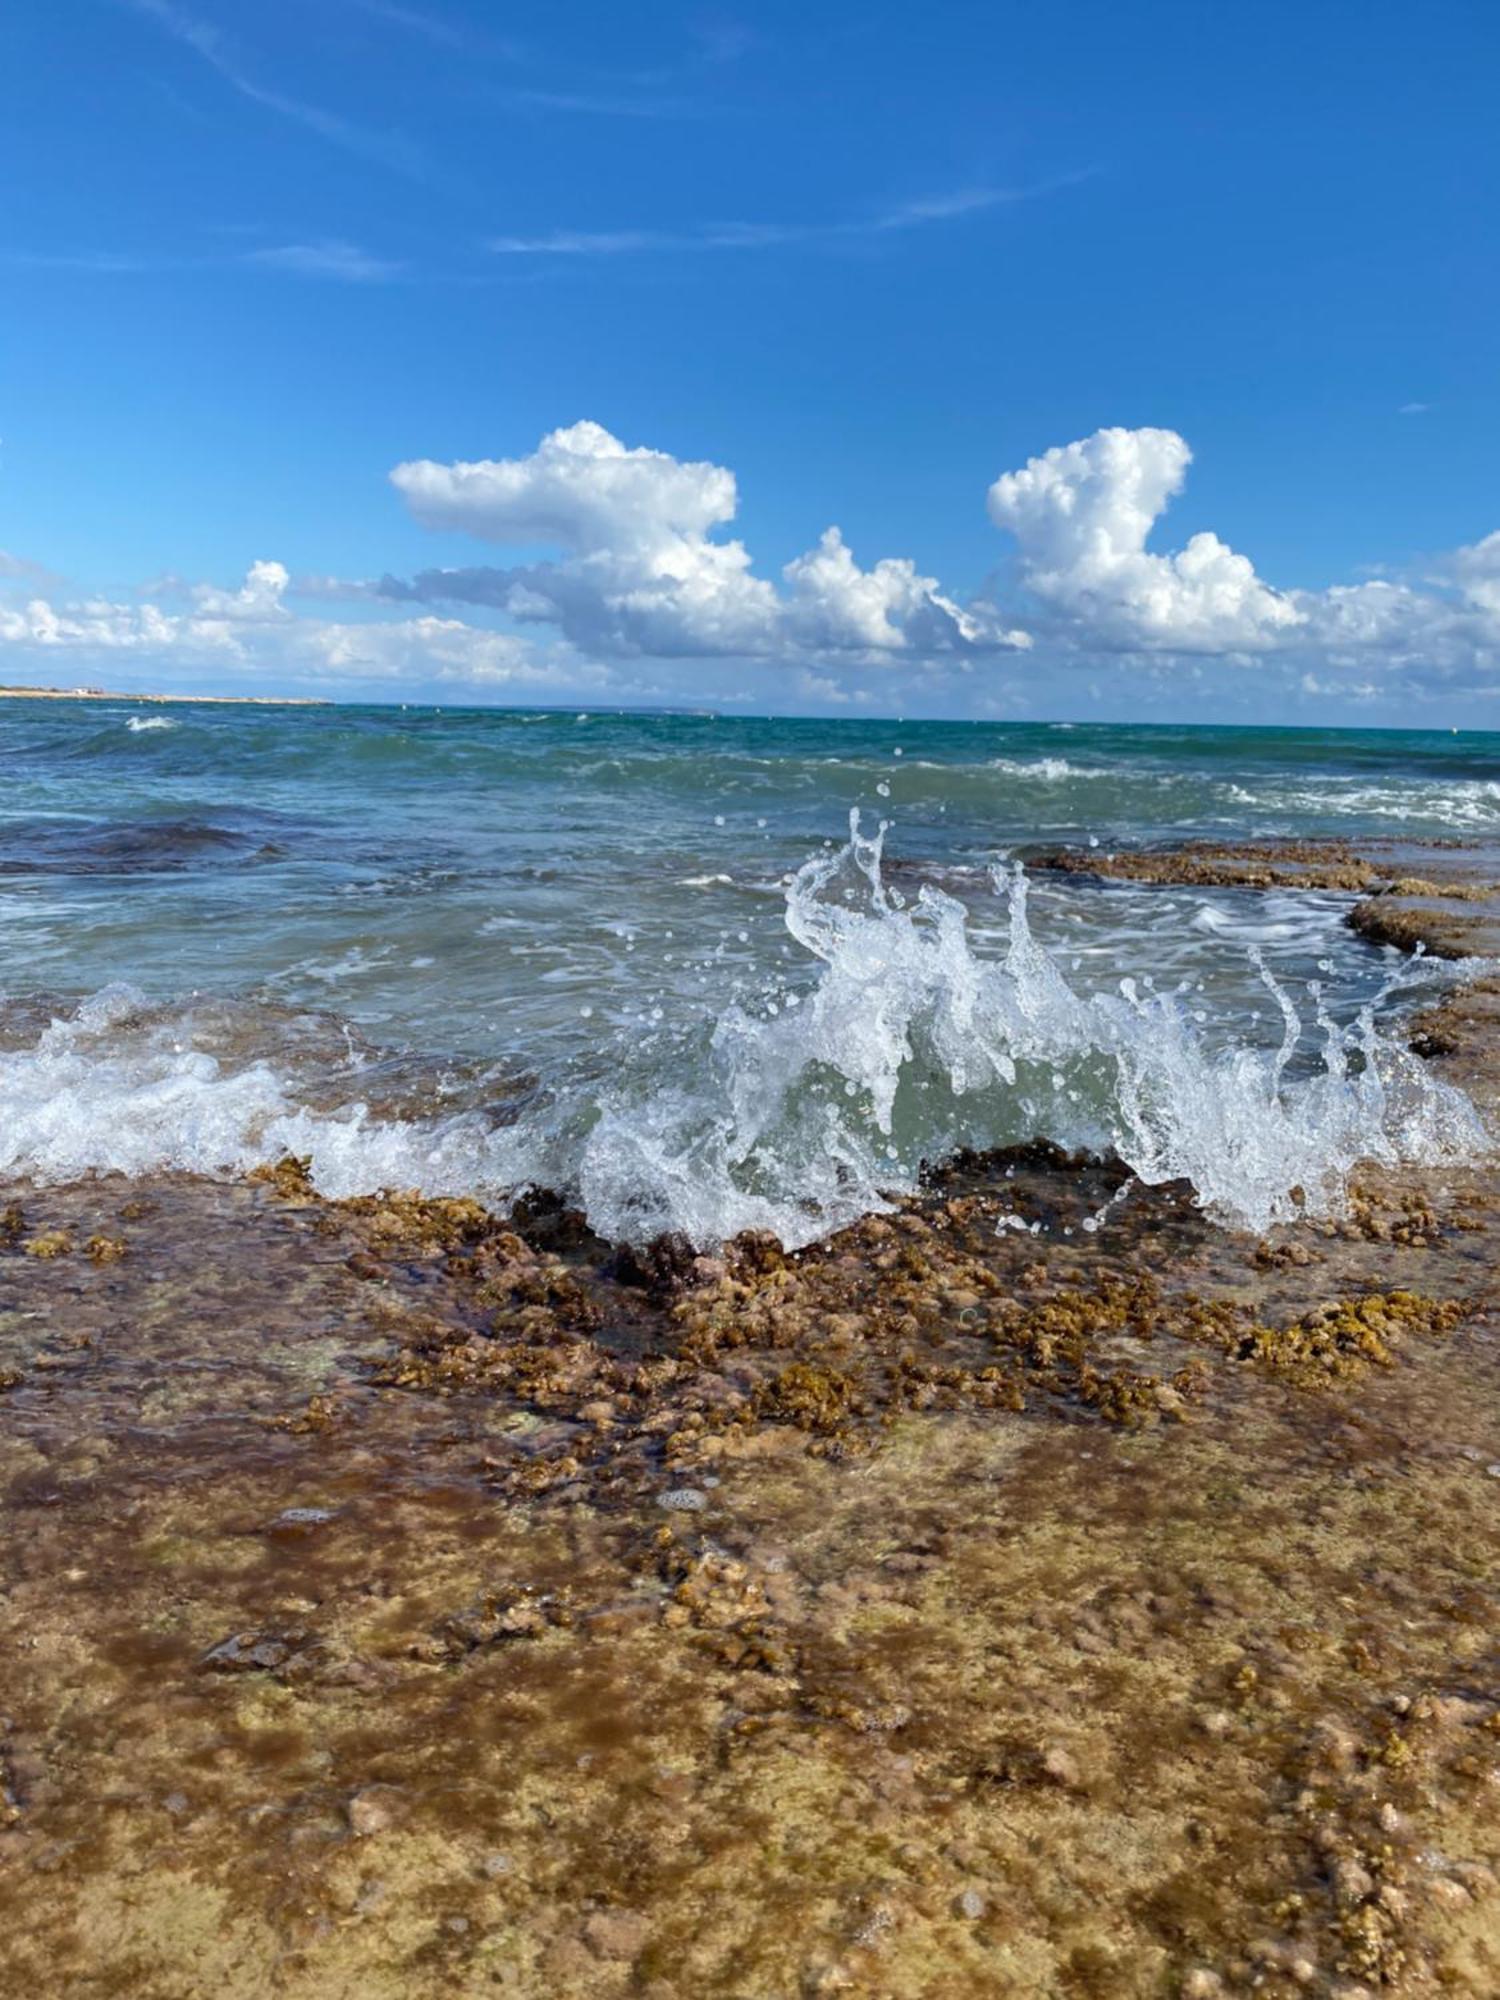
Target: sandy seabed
<point>400,1600</point>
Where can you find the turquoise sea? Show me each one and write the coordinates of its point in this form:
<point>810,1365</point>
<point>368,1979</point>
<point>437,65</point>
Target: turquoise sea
<point>639,958</point>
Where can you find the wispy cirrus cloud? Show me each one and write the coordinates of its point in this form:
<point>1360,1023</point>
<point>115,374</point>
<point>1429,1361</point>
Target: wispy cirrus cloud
<point>438,29</point>
<point>213,46</point>
<point>431,27</point>
<point>21,569</point>
<point>605,104</point>
<point>721,38</point>
<point>326,257</point>
<point>103,263</point>
<point>920,213</point>
<point>672,90</point>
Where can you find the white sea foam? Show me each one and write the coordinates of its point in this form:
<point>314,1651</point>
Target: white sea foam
<point>103,1091</point>
<point>910,1044</point>
<point>1454,802</point>
<point>1050,769</point>
<point>138,724</point>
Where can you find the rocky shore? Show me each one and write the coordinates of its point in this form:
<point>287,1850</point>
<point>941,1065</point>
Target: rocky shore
<point>400,1600</point>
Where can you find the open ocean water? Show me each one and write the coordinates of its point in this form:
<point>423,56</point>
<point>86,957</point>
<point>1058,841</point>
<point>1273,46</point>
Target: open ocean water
<point>696,973</point>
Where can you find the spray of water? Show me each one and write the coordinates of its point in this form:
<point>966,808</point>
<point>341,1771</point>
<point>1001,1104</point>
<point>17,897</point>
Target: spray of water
<point>911,1046</point>
<point>811,1109</point>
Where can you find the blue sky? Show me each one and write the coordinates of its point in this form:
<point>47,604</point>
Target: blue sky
<point>868,259</point>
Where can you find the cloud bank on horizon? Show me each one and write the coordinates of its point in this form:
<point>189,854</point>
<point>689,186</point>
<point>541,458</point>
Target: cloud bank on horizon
<point>641,596</point>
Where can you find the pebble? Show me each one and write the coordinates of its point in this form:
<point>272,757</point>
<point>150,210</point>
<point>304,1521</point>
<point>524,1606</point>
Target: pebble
<point>248,1652</point>
<point>971,1905</point>
<point>371,1811</point>
<point>1059,1768</point>
<point>683,1500</point>
<point>615,1933</point>
<point>1351,1883</point>
<point>302,1517</point>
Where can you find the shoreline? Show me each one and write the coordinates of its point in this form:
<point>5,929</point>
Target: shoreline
<point>404,1600</point>
<point>166,700</point>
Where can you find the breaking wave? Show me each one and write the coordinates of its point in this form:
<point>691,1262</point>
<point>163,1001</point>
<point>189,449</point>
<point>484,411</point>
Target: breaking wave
<point>1052,769</point>
<point>1469,803</point>
<point>900,1043</point>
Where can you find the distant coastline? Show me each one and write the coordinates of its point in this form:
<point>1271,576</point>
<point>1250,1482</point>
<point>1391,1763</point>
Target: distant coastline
<point>114,694</point>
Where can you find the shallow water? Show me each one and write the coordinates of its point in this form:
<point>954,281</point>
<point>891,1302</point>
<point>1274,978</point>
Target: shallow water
<point>631,956</point>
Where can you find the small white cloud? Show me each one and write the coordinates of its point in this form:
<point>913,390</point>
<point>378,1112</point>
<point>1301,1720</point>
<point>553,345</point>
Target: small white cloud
<point>257,599</point>
<point>821,687</point>
<point>328,258</point>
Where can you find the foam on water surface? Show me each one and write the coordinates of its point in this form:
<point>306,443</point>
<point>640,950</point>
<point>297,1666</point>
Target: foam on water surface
<point>815,1102</point>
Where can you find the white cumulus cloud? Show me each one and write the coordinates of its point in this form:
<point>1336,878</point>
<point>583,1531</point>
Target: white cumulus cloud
<point>250,629</point>
<point>641,572</point>
<point>581,488</point>
<point>625,553</point>
<point>1081,513</point>
<point>1477,572</point>
<point>834,605</point>
<point>257,599</point>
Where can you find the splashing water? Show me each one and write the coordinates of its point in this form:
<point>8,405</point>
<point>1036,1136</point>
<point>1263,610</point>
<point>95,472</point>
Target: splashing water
<point>114,1089</point>
<point>137,724</point>
<point>816,1106</point>
<point>911,1047</point>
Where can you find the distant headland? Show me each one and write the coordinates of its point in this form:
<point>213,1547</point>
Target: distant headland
<point>114,694</point>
